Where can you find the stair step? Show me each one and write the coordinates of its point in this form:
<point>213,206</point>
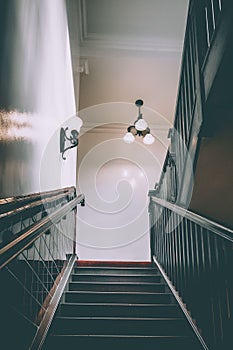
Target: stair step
<point>118,297</point>
<point>125,326</point>
<point>104,342</point>
<point>120,310</point>
<point>104,270</point>
<point>116,278</point>
<point>99,263</point>
<point>114,306</point>
<point>115,286</point>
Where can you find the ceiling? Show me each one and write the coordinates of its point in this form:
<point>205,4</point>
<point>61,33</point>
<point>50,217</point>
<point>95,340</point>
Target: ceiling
<point>131,24</point>
<point>131,49</point>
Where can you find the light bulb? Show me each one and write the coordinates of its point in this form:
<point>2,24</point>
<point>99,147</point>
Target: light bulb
<point>129,138</point>
<point>75,123</point>
<point>79,123</point>
<point>141,124</point>
<point>148,139</point>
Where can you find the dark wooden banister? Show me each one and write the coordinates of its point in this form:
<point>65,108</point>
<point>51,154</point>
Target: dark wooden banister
<point>11,203</point>
<point>195,255</point>
<point>14,248</point>
<point>47,319</point>
<point>26,208</point>
<point>182,305</point>
<point>214,227</point>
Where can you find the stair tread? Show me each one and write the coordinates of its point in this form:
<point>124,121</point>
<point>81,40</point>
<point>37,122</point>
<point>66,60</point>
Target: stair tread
<point>118,275</point>
<point>134,319</point>
<point>111,309</point>
<point>117,272</point>
<point>120,304</point>
<point>120,336</point>
<point>115,292</point>
<point>124,341</point>
<point>117,267</point>
<point>121,318</point>
<point>113,263</point>
<point>120,283</point>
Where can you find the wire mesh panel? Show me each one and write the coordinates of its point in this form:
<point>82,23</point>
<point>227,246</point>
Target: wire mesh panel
<point>34,249</point>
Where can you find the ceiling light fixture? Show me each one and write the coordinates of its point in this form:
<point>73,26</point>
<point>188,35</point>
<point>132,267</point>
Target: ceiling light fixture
<point>140,128</point>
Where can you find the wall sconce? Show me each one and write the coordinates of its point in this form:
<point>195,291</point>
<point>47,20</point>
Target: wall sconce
<point>140,128</point>
<point>72,139</point>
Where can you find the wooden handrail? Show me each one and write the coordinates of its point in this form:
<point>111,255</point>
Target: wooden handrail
<point>214,227</point>
<point>22,210</point>
<point>182,305</point>
<point>42,331</point>
<point>14,248</point>
<point>11,203</point>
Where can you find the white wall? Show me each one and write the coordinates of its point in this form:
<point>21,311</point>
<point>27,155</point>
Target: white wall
<point>115,178</point>
<point>36,76</point>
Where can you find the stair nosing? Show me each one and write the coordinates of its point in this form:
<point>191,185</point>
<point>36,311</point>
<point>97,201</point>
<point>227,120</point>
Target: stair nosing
<point>118,283</point>
<point>98,318</point>
<point>121,304</point>
<point>116,268</point>
<point>115,292</point>
<point>117,275</point>
<point>152,270</point>
<point>120,336</point>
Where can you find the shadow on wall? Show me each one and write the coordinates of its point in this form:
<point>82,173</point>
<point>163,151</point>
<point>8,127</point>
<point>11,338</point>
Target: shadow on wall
<point>36,94</point>
<point>15,162</point>
<point>212,194</point>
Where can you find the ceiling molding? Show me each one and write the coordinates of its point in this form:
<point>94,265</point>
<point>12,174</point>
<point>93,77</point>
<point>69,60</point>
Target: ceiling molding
<point>92,41</point>
<point>116,128</point>
<point>82,20</point>
<point>140,44</point>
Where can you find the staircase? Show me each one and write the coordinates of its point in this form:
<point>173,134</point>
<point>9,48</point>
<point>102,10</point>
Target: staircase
<point>119,306</point>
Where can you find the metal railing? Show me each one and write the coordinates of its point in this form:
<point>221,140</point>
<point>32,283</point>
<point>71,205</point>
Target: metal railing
<point>37,237</point>
<point>209,16</point>
<point>186,107</point>
<point>197,256</point>
<point>208,29</point>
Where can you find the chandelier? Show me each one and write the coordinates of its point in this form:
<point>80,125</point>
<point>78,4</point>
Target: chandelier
<point>139,128</point>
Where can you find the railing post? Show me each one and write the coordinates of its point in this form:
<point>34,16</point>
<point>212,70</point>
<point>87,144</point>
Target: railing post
<point>75,230</point>
<point>152,222</point>
<point>151,228</point>
<point>82,203</point>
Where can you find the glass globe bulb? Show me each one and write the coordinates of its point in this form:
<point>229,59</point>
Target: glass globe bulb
<point>148,139</point>
<point>74,123</point>
<point>141,124</point>
<point>80,123</point>
<point>129,138</point>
